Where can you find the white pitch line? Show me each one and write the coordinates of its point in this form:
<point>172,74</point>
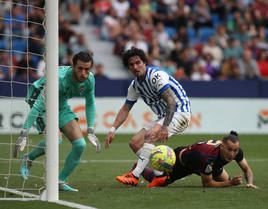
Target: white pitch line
<point>257,160</point>
<point>33,197</point>
<point>73,205</point>
<point>107,161</point>
<point>26,194</point>
<point>132,161</point>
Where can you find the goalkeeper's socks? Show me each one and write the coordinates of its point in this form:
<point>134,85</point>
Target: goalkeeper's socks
<point>73,158</point>
<point>143,159</point>
<point>30,118</point>
<point>39,150</point>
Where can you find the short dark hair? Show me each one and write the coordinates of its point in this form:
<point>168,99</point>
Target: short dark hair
<point>232,136</point>
<point>132,53</point>
<point>84,56</point>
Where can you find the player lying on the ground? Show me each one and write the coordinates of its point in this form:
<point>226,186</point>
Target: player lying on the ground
<point>76,80</point>
<point>206,159</point>
<point>166,98</point>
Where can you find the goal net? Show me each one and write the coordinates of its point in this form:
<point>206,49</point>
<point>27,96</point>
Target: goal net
<point>22,41</point>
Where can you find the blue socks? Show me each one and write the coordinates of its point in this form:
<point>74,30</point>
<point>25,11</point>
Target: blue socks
<point>39,150</point>
<point>73,159</point>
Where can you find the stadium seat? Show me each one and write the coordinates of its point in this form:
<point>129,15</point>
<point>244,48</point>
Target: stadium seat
<point>191,33</point>
<point>35,59</point>
<point>215,20</point>
<point>205,33</point>
<point>170,31</point>
<point>3,45</point>
<point>19,45</point>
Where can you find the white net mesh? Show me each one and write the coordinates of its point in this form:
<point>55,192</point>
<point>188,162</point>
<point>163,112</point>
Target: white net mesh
<point>21,63</point>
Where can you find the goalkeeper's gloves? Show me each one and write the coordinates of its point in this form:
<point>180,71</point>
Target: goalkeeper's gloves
<point>93,139</point>
<point>20,143</point>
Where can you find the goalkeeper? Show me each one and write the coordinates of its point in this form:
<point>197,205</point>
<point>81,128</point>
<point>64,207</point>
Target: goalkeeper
<point>76,80</point>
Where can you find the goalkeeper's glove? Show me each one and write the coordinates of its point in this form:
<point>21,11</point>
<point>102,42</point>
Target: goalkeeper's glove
<point>93,139</point>
<point>20,143</point>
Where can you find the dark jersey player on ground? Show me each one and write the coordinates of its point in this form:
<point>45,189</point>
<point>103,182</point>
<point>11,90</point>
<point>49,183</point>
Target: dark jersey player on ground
<point>206,159</point>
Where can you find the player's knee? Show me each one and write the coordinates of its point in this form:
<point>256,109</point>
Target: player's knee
<point>132,144</point>
<point>79,145</point>
<point>135,143</point>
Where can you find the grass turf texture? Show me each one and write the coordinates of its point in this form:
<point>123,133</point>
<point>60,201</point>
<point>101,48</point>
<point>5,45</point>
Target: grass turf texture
<point>95,179</point>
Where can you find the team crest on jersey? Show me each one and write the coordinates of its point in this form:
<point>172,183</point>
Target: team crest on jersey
<point>81,88</point>
<point>263,118</point>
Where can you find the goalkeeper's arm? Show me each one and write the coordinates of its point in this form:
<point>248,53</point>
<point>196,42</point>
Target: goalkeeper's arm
<point>22,139</point>
<point>90,115</point>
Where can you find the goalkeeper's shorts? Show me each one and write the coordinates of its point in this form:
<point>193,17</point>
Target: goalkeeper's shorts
<point>66,115</point>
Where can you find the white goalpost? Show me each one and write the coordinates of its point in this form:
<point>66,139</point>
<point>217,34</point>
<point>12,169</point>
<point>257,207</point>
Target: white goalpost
<point>52,102</point>
<point>16,39</point>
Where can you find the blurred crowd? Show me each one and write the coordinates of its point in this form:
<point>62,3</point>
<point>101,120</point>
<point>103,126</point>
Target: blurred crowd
<point>191,39</point>
<point>22,39</point>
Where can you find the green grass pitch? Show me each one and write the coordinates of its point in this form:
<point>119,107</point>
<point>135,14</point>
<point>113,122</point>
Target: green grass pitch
<point>95,179</point>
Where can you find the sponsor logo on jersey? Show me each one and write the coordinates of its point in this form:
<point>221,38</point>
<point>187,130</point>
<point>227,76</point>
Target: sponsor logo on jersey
<point>208,169</point>
<point>263,118</point>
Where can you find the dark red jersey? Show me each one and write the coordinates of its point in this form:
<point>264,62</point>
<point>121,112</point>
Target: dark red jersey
<point>204,157</point>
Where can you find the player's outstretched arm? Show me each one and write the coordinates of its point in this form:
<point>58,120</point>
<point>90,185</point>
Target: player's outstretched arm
<point>248,173</point>
<point>170,109</point>
<point>119,120</point>
<point>208,181</point>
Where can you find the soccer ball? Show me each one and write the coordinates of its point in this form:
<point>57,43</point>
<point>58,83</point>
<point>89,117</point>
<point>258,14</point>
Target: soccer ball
<point>162,158</point>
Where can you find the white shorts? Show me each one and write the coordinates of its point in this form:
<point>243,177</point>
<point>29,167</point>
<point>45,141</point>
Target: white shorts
<point>179,123</point>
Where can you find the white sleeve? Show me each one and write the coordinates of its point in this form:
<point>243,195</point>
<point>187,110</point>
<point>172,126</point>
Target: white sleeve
<point>160,81</point>
<point>132,96</point>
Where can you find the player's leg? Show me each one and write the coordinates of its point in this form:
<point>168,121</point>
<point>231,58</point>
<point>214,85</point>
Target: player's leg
<point>36,101</point>
<point>150,137</point>
<point>73,132</point>
<point>27,159</point>
<point>141,144</point>
<point>136,144</point>
<point>179,122</point>
<point>178,172</point>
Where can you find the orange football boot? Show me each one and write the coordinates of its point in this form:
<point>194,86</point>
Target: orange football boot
<point>128,179</point>
<point>158,181</point>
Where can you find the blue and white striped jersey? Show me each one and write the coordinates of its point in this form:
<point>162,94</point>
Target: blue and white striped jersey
<point>150,89</point>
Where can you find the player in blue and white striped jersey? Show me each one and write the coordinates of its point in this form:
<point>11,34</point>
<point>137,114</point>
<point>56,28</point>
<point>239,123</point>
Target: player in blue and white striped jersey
<point>166,98</point>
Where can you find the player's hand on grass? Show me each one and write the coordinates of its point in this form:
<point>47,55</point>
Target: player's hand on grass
<point>93,139</point>
<point>109,139</point>
<point>252,186</point>
<point>20,143</point>
<point>237,180</point>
